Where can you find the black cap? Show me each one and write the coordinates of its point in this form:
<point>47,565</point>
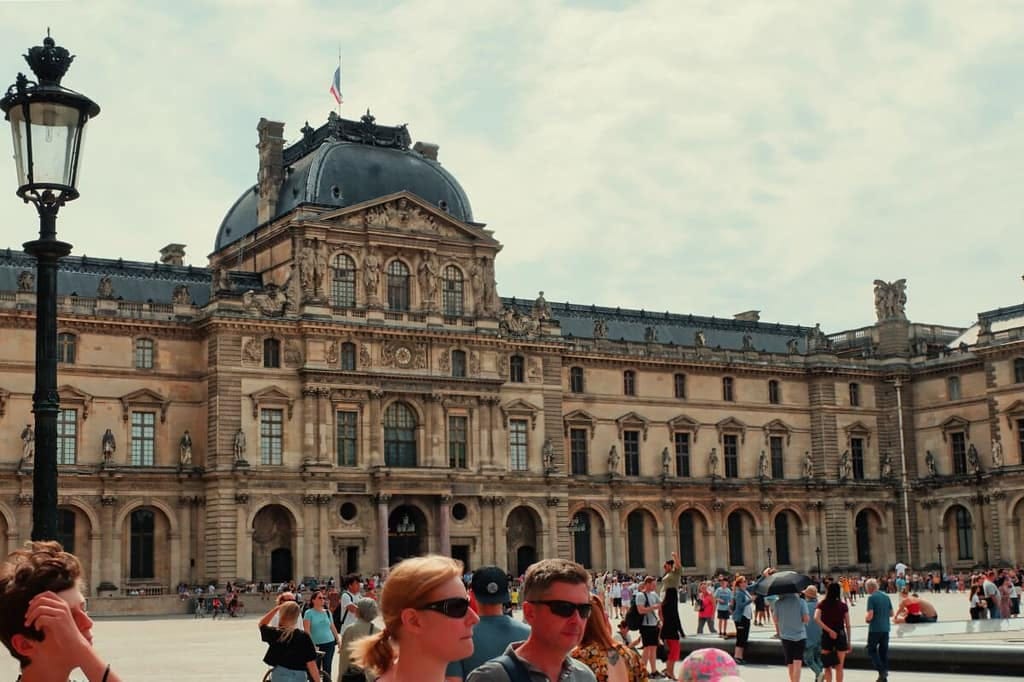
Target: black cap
<point>490,585</point>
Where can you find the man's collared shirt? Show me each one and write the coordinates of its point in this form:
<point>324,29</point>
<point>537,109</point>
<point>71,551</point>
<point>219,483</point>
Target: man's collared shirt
<point>492,671</point>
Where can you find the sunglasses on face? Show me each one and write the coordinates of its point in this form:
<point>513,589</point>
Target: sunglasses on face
<point>454,607</point>
<point>565,609</point>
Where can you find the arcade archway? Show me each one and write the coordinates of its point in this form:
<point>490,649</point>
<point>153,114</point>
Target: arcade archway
<point>273,544</point>
<point>407,533</point>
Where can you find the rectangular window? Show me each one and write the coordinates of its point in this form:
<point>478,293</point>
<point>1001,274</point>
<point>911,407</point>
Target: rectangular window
<point>1020,440</point>
<point>727,389</point>
<point>775,445</point>
<point>143,438</point>
<point>682,442</point>
<point>953,388</point>
<point>629,382</point>
<point>679,381</point>
<point>67,436</point>
<point>457,428</point>
<point>576,379</point>
<point>578,450</point>
<point>517,445</point>
<point>958,448</point>
<point>774,392</point>
<point>857,458</point>
<point>731,449</point>
<point>631,451</point>
<point>144,354</point>
<point>1018,371</point>
<point>271,436</point>
<point>854,395</point>
<point>458,363</point>
<point>347,437</point>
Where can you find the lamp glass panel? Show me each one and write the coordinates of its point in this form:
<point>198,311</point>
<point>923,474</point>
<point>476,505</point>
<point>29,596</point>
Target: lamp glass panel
<point>56,130</point>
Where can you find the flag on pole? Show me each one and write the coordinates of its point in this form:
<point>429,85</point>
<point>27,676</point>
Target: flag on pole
<point>336,85</point>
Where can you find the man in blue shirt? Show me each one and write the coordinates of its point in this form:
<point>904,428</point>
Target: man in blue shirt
<point>495,631</point>
<point>878,616</point>
<point>723,597</point>
<point>790,616</point>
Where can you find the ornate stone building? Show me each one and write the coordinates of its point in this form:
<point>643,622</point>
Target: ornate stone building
<point>343,387</point>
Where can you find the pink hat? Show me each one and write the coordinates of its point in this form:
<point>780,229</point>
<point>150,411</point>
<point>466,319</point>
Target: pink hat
<point>708,665</point>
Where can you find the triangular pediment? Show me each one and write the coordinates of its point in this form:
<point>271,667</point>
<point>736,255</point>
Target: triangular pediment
<point>521,408</point>
<point>406,212</point>
<point>683,422</point>
<point>69,395</point>
<point>953,424</point>
<point>579,418</point>
<point>144,397</point>
<point>271,396</point>
<point>857,427</point>
<point>632,419</point>
<point>777,427</point>
<point>731,425</point>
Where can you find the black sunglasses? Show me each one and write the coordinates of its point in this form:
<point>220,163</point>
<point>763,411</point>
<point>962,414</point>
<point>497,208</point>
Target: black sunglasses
<point>454,607</point>
<point>564,609</point>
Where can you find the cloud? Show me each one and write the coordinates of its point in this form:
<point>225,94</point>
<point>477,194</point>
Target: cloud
<point>694,157</point>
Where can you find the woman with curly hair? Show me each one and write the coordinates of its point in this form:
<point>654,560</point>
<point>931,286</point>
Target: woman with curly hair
<point>426,614</point>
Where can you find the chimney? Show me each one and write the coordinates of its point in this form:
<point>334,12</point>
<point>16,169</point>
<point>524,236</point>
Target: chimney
<point>271,175</point>
<point>748,316</point>
<point>173,254</point>
<point>427,150</point>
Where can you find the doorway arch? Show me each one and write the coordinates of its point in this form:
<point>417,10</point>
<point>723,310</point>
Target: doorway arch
<point>407,533</point>
<point>273,544</point>
<point>523,525</point>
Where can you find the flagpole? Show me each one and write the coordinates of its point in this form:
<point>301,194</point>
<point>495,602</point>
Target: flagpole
<point>339,71</point>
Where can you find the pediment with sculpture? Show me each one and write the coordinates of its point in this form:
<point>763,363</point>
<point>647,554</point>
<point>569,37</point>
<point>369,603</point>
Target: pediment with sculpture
<point>406,212</point>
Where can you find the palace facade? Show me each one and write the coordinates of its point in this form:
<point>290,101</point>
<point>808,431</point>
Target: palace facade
<point>343,386</point>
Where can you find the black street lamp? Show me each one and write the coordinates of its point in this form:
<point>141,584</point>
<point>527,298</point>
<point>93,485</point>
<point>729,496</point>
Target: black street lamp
<point>941,574</point>
<point>47,124</point>
<point>817,551</point>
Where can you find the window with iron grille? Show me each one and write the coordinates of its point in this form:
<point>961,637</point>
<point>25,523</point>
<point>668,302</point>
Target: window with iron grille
<point>857,458</point>
<point>774,392</point>
<point>66,348</point>
<point>398,285</point>
<point>143,353</point>
<point>576,380</point>
<point>516,369</point>
<point>679,381</point>
<point>854,394</point>
<point>271,436</point>
<point>517,445</point>
<point>631,452</point>
<point>347,439</point>
<point>727,389</point>
<point>271,353</point>
<point>67,437</point>
<point>343,282</point>
<point>348,356</point>
<point>452,292</point>
<point>578,450</point>
<point>958,449</point>
<point>775,446</point>
<point>458,363</point>
<point>143,439</point>
<point>682,442</point>
<point>629,382</point>
<point>731,452</point>
<point>457,428</point>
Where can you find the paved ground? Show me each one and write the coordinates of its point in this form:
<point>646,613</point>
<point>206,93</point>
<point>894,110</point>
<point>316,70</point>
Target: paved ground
<point>172,649</point>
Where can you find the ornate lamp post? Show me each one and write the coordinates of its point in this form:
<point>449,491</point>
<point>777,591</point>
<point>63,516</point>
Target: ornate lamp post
<point>938,548</point>
<point>47,123</point>
<point>817,551</point>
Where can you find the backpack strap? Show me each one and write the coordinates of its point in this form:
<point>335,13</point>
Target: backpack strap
<point>513,668</point>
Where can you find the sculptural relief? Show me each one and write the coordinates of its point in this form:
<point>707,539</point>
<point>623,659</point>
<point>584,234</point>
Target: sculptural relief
<point>252,351</point>
<point>541,309</point>
<point>292,354</point>
<point>26,281</point>
<point>109,446</point>
<point>845,467</point>
<point>429,277</point>
<point>763,468</point>
<point>808,466</point>
<point>600,329</point>
<point>181,295</point>
<point>105,288</point>
<point>713,462</point>
<point>365,360</point>
<point>444,362</point>
<point>474,363</point>
<point>929,462</point>
<point>185,449</point>
<point>28,443</point>
<point>997,453</point>
<point>973,461</point>
<point>513,323</point>
<point>238,446</point>
<point>270,302</point>
<point>890,299</point>
<point>885,467</point>
<point>613,461</point>
<point>331,353</point>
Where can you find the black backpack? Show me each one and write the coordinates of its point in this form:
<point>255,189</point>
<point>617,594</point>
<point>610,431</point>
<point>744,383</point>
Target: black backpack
<point>634,619</point>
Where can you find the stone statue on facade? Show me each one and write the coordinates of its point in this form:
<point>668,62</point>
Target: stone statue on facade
<point>429,273</point>
<point>713,462</point>
<point>997,453</point>
<point>185,449</point>
<point>541,309</point>
<point>929,462</point>
<point>885,469</point>
<point>547,452</point>
<point>109,447</point>
<point>666,462</point>
<point>650,334</point>
<point>808,466</point>
<point>613,461</point>
<point>371,274</point>
<point>793,346</point>
<point>748,342</point>
<point>891,299</point>
<point>26,281</point>
<point>700,339</point>
<point>220,280</point>
<point>973,461</point>
<point>845,467</point>
<point>514,323</point>
<point>239,447</point>
<point>105,288</point>
<point>28,443</point>
<point>763,469</point>
<point>984,326</point>
<point>308,280</point>
<point>181,295</point>
<point>600,329</point>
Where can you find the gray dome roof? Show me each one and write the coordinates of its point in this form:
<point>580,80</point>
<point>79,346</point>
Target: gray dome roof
<point>342,173</point>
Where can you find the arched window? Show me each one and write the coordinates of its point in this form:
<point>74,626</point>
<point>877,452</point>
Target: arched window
<point>343,282</point>
<point>964,534</point>
<point>687,540</point>
<point>398,285</point>
<point>735,523</point>
<point>581,536</point>
<point>516,369</point>
<point>66,529</point>
<point>348,356</point>
<point>142,544</point>
<point>271,353</point>
<point>629,382</point>
<point>66,348</point>
<point>635,535</point>
<point>576,380</point>
<point>143,353</point>
<point>774,392</point>
<point>458,363</point>
<point>452,292</point>
<point>399,436</point>
<point>782,540</point>
<point>862,532</point>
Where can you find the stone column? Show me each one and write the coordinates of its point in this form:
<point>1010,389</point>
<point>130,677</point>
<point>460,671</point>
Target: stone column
<point>309,542</point>
<point>324,538</point>
<point>376,450</point>
<point>549,534</point>
<point>243,546</point>
<point>444,525</point>
<point>107,571</point>
<point>493,426</point>
<point>309,424</point>
<point>671,534</point>
<point>500,540</point>
<point>717,531</point>
<point>382,529</point>
<point>186,532</point>
<point>619,560</point>
<point>324,440</point>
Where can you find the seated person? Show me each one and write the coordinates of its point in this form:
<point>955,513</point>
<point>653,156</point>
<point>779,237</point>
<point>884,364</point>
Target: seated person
<point>42,616</point>
<point>913,609</point>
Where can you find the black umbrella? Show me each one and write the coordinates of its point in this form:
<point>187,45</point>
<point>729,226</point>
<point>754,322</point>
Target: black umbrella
<point>783,582</point>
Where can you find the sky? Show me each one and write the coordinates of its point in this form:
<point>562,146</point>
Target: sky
<point>697,157</point>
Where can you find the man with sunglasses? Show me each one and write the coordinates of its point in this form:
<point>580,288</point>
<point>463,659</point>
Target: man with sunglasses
<point>556,604</point>
<point>495,631</point>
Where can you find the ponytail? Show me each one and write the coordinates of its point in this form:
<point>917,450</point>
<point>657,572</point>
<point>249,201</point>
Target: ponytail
<point>374,652</point>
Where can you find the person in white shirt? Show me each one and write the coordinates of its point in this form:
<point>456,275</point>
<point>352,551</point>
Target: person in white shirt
<point>349,597</point>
